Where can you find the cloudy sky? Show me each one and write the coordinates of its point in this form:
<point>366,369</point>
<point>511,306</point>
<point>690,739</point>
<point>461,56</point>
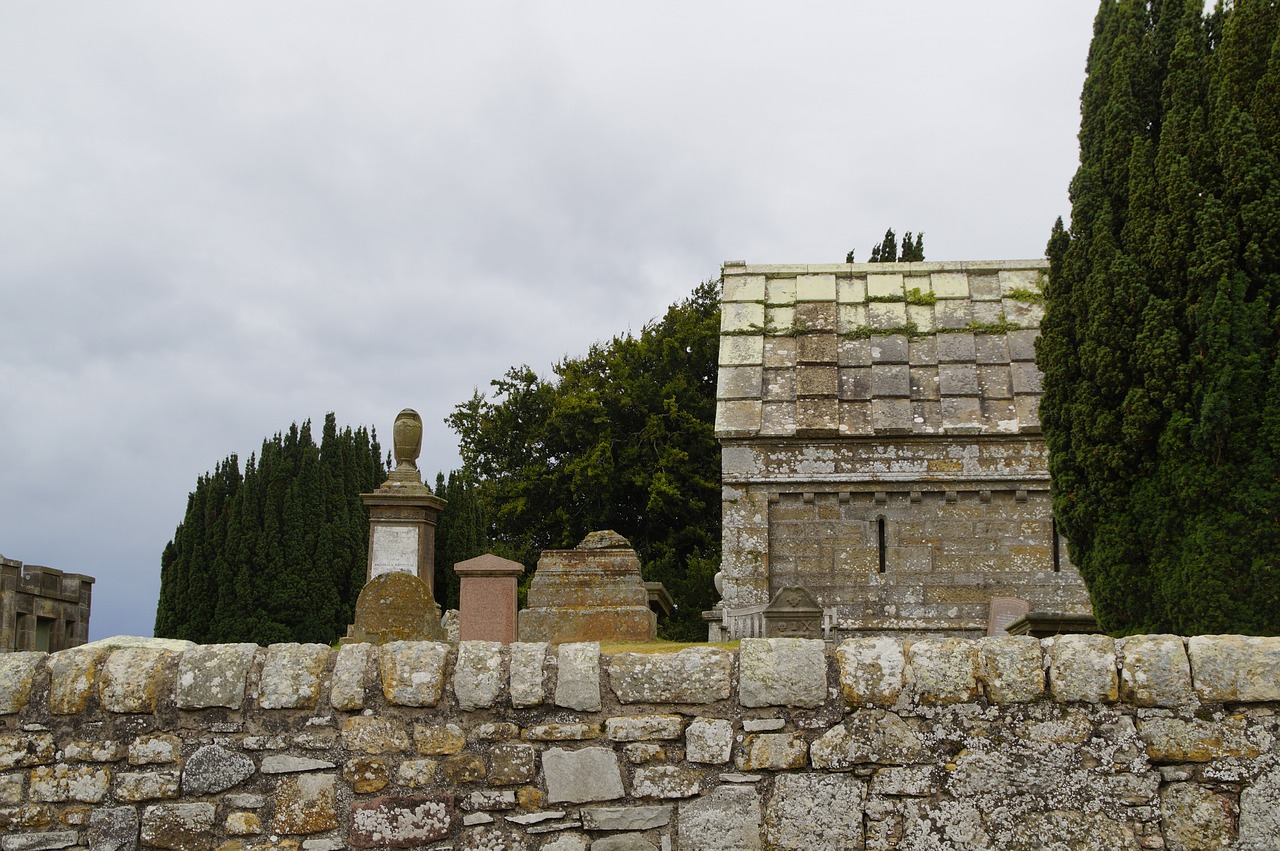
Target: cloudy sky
<point>220,218</point>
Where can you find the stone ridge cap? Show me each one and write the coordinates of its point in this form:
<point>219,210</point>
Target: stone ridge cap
<point>1141,671</point>
<point>732,267</point>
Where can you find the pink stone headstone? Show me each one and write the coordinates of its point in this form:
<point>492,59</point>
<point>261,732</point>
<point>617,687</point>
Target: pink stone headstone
<point>487,598</point>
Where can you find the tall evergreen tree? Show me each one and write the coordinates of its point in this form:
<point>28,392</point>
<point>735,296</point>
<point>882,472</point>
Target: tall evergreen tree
<point>278,554</point>
<point>885,251</point>
<point>1159,344</point>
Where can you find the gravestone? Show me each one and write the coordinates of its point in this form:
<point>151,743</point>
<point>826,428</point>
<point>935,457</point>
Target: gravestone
<point>487,598</point>
<point>793,613</point>
<point>397,603</point>
<point>1003,612</point>
<point>590,593</point>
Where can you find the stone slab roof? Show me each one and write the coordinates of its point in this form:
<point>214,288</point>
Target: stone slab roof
<point>867,349</point>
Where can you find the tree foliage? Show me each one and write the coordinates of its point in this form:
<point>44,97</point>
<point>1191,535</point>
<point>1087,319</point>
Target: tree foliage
<point>1159,347</point>
<point>278,553</point>
<point>886,251</point>
<point>621,438</point>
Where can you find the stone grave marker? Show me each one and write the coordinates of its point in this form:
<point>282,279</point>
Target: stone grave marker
<point>793,613</point>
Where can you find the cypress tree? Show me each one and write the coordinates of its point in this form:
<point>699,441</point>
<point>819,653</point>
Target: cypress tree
<point>278,554</point>
<point>1159,345</point>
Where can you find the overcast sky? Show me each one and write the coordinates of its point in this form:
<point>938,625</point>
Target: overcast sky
<point>220,218</point>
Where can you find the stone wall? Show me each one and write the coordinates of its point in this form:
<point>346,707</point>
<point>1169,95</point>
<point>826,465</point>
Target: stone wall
<point>1078,742</point>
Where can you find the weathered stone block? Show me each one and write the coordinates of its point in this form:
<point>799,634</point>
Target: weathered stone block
<point>773,752</point>
<point>306,803</point>
<point>782,672</point>
<point>413,672</point>
<point>214,675</point>
<point>132,787</point>
<point>155,749</point>
<point>438,739</point>
<point>625,818</point>
<point>49,841</point>
<point>113,829</point>
<point>1083,668</point>
<point>291,676</point>
<point>243,824</point>
<point>23,750</point>
<point>1194,818</point>
<point>477,677</point>
<point>728,819</point>
<point>807,812</point>
<point>371,774</point>
<point>1230,668</point>
<point>401,822</point>
<point>562,732</point>
<point>1260,812</point>
<point>871,670</point>
<point>78,751</point>
<point>416,773</point>
<point>511,763</point>
<point>178,827</point>
<point>17,673</point>
<point>942,670</point>
<point>290,764</point>
<point>578,676</point>
<point>463,768</point>
<point>350,672</point>
<point>1011,668</point>
<point>528,660</point>
<point>665,781</point>
<point>708,740</point>
<point>694,675</point>
<point>1176,740</point>
<point>588,774</point>
<point>637,728</point>
<point>54,783</point>
<point>373,735</point>
<point>1154,670</point>
<point>867,736</point>
<point>623,842</point>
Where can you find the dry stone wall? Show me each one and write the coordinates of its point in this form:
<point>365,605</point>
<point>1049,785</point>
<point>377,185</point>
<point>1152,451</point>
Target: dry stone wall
<point>1077,742</point>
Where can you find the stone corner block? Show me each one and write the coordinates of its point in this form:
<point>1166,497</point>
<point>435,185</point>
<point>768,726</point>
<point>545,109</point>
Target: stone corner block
<point>782,672</point>
<point>214,675</point>
<point>477,676</point>
<point>1154,671</point>
<point>871,670</point>
<point>1082,668</point>
<point>413,672</point>
<point>291,676</point>
<point>578,677</point>
<point>1235,668</point>
<point>728,817</point>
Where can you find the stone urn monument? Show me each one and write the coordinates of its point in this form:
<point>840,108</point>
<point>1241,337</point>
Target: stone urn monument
<point>398,599</point>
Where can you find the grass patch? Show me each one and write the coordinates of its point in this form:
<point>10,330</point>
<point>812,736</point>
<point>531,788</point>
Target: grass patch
<point>1025,295</point>
<point>920,298</point>
<point>865,333</point>
<point>1003,326</point>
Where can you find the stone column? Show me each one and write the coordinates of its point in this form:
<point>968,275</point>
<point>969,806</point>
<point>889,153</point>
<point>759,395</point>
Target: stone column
<point>398,600</point>
<point>487,598</point>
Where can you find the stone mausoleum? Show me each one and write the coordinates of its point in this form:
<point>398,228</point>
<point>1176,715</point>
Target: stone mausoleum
<point>882,448</point>
<point>42,608</point>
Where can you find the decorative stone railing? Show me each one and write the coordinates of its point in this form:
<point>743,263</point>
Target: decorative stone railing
<point>1078,742</point>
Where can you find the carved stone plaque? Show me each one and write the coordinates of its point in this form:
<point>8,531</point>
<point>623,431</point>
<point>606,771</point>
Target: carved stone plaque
<point>793,613</point>
<point>395,550</point>
<point>1004,611</point>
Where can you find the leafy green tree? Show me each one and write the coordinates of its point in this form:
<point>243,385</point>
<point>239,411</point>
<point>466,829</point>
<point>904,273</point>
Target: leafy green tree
<point>278,554</point>
<point>912,250</point>
<point>1159,344</point>
<point>621,438</point>
<point>887,250</point>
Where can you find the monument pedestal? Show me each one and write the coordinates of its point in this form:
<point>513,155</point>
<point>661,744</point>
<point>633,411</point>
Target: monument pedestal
<point>487,598</point>
<point>591,593</point>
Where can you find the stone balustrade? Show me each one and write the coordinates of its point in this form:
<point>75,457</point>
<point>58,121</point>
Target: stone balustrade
<point>1077,742</point>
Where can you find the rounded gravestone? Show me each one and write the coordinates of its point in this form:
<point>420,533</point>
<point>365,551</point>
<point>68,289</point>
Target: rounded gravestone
<point>396,606</point>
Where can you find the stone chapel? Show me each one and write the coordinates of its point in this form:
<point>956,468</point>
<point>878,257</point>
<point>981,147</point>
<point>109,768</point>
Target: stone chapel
<point>882,449</point>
